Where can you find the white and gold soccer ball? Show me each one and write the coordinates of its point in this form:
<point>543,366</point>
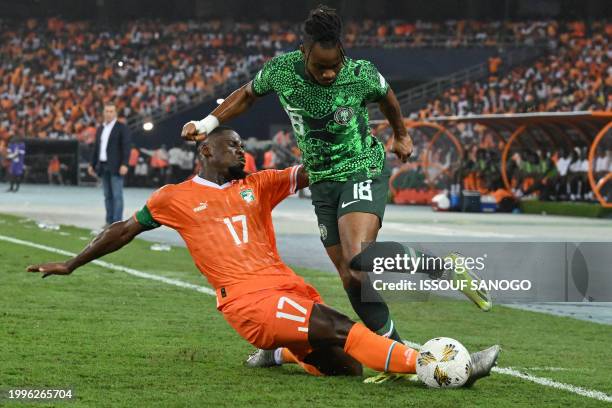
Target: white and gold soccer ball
<point>443,363</point>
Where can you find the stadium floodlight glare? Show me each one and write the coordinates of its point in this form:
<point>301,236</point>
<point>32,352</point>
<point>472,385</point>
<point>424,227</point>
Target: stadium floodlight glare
<point>220,101</point>
<point>147,126</point>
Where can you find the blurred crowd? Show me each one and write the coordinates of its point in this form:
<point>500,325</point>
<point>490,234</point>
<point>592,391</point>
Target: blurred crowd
<point>553,175</point>
<point>147,167</point>
<point>453,33</point>
<point>163,165</point>
<point>576,76</point>
<point>55,75</point>
<point>549,173</point>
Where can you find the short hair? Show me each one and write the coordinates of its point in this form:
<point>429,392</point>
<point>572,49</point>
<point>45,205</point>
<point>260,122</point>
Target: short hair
<point>113,104</point>
<point>219,130</point>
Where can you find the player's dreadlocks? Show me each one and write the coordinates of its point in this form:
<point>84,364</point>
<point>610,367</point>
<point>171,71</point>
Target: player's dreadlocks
<point>323,26</point>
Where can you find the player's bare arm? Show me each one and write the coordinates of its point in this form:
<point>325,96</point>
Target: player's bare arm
<point>238,102</point>
<point>402,142</point>
<point>302,178</point>
<point>109,240</point>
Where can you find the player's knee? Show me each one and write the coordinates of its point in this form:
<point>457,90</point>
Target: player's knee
<point>346,281</point>
<point>356,279</point>
<point>347,276</point>
<point>328,327</point>
<point>350,279</point>
<point>367,259</point>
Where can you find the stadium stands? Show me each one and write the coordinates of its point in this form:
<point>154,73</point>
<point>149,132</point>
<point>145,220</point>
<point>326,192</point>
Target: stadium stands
<point>577,76</point>
<point>56,75</point>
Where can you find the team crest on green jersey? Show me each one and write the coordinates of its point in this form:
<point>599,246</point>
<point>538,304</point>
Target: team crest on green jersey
<point>343,115</point>
<point>330,123</point>
<point>247,195</point>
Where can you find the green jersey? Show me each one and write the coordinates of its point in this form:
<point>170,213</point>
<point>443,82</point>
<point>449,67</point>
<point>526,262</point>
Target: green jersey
<point>330,123</point>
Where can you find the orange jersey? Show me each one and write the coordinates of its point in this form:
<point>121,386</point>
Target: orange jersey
<point>228,229</point>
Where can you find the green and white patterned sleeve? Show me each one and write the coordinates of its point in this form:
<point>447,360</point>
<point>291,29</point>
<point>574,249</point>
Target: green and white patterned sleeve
<point>264,80</point>
<point>376,84</point>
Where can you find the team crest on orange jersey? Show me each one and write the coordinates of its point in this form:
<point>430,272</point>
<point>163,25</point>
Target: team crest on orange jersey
<point>247,195</point>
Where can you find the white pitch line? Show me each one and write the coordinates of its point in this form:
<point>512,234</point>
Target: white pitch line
<point>555,384</point>
<point>108,265</point>
<point>548,368</point>
<point>598,395</point>
<point>447,232</point>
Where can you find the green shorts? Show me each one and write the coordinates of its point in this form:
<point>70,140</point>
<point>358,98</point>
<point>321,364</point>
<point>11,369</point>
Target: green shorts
<point>333,199</point>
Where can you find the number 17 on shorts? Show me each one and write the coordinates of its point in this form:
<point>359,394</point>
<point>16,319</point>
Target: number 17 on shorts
<point>291,310</point>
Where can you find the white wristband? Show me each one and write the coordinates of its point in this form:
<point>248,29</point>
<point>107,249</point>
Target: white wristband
<point>206,125</point>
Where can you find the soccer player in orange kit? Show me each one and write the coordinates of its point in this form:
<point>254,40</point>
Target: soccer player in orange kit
<point>225,218</point>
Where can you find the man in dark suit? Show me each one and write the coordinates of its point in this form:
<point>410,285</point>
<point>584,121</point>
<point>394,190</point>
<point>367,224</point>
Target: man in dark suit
<point>109,161</point>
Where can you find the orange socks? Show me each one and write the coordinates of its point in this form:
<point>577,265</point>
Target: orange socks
<point>374,351</point>
<point>379,353</point>
<point>289,358</point>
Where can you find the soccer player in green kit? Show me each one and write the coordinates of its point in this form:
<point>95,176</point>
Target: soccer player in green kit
<point>325,95</point>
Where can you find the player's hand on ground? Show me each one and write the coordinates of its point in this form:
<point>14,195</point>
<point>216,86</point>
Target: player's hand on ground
<point>51,268</point>
<point>402,147</point>
<point>190,132</point>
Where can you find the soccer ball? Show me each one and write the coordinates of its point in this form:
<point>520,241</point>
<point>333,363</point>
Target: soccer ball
<point>443,363</point>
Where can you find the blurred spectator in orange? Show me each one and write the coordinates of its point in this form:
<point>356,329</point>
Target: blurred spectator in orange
<point>269,161</point>
<point>54,170</point>
<point>494,63</point>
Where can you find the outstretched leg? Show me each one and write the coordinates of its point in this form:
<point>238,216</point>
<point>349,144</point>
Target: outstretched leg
<point>374,313</point>
<point>350,213</point>
<point>298,321</point>
<point>328,327</point>
<point>356,228</point>
<point>451,267</point>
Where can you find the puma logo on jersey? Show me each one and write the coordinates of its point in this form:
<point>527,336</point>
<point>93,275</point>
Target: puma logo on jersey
<point>201,207</point>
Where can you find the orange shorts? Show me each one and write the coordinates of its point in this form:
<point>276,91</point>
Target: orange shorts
<point>276,317</point>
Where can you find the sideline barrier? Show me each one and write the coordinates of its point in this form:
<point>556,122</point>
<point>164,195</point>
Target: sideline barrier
<point>538,130</point>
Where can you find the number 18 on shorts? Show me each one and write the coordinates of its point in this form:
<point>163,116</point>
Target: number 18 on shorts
<point>333,199</point>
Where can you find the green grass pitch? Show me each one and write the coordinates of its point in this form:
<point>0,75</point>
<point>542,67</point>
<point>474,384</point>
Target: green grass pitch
<point>119,340</point>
